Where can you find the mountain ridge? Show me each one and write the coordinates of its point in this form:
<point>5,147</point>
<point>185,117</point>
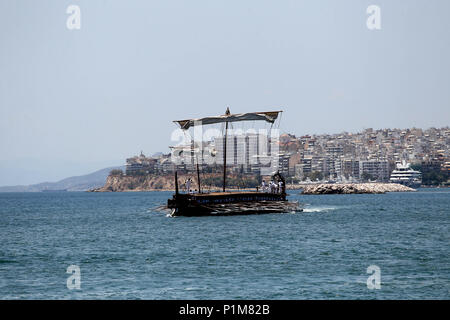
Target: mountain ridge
<point>85,182</point>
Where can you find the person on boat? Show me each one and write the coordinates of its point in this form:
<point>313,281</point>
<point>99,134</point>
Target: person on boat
<point>272,186</point>
<point>263,186</point>
<point>188,185</point>
<point>280,187</point>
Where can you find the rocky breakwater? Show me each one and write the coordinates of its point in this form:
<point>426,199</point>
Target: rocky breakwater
<point>351,188</point>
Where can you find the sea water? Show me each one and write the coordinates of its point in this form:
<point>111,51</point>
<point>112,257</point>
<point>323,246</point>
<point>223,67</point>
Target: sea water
<point>125,249</point>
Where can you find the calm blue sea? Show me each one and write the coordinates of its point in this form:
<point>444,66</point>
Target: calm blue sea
<point>127,250</point>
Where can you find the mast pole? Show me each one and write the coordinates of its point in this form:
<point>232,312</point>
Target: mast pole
<point>225,151</point>
<point>198,178</point>
<point>176,183</point>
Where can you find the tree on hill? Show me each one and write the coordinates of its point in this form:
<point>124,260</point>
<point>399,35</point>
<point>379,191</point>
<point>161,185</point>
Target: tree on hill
<point>367,177</point>
<point>316,175</point>
<point>116,172</point>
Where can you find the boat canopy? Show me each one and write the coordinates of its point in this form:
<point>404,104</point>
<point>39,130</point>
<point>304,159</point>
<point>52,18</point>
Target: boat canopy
<point>269,116</point>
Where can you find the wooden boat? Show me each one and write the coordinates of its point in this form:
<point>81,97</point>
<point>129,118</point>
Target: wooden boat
<point>230,203</point>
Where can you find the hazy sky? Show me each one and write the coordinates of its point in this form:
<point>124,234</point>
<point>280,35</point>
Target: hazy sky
<point>74,101</point>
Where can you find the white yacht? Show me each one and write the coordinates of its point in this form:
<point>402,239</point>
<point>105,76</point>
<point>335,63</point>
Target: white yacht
<point>403,174</point>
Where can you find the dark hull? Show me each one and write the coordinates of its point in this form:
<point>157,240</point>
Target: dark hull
<point>229,203</point>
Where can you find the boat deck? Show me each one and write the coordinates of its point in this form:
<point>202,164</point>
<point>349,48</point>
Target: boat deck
<point>232,193</point>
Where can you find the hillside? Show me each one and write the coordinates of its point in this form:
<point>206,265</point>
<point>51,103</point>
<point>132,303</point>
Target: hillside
<point>152,182</point>
<point>77,183</point>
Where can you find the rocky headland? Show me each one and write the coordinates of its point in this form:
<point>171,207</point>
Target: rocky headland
<point>157,182</point>
<point>122,183</point>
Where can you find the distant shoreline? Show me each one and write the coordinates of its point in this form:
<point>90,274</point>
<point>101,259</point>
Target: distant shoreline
<point>288,187</point>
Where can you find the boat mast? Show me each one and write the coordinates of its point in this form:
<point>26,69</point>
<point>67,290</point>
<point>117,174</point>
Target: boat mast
<point>176,183</point>
<point>198,178</point>
<point>225,151</point>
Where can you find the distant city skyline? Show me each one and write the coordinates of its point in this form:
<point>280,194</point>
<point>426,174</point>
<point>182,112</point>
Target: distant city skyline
<point>371,154</point>
<point>75,101</point>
